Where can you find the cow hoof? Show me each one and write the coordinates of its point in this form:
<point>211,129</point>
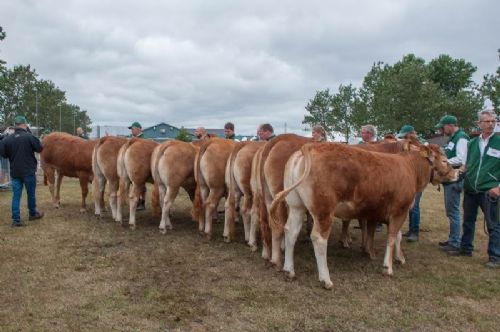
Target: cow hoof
<point>327,284</point>
<point>400,261</point>
<point>163,231</point>
<point>253,248</point>
<point>208,236</point>
<point>386,272</point>
<point>227,239</point>
<point>131,226</point>
<point>83,210</point>
<point>289,275</point>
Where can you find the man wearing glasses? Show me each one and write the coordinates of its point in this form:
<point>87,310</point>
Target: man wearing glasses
<point>482,189</point>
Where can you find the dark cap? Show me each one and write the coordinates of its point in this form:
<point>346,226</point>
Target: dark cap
<point>20,120</point>
<point>136,125</point>
<point>447,119</point>
<point>406,129</point>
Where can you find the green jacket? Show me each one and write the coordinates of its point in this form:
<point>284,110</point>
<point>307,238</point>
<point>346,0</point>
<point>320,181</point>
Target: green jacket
<point>451,148</point>
<point>483,173</point>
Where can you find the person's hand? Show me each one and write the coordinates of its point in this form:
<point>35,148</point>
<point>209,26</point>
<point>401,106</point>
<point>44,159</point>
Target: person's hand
<point>494,192</point>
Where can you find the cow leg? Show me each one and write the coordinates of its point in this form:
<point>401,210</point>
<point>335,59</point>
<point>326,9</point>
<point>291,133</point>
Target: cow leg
<point>400,258</point>
<point>204,192</point>
<point>277,235</point>
<point>370,234</point>
<point>245,216</point>
<point>123,190</point>
<point>319,236</point>
<point>211,206</point>
<point>84,184</point>
<point>254,222</point>
<point>113,194</point>
<point>168,200</point>
<point>364,232</point>
<point>345,237</point>
<point>292,231</point>
<point>99,185</point>
<point>57,198</point>
<point>392,230</point>
<point>133,198</point>
<point>230,216</point>
<point>50,177</point>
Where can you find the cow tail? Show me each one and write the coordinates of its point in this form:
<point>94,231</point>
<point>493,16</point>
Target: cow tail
<point>306,151</point>
<point>196,211</point>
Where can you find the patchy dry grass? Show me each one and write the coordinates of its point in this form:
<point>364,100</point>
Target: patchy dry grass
<point>72,272</point>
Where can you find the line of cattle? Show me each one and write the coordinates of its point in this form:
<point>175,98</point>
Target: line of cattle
<point>369,182</point>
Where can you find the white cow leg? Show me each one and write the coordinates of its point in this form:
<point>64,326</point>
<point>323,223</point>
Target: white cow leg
<point>320,244</point>
<point>113,203</point>
<point>400,257</point>
<point>246,224</point>
<point>388,254</point>
<point>277,239</point>
<point>292,231</point>
<point>168,201</point>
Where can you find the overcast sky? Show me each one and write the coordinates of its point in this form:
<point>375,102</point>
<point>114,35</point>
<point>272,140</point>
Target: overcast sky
<point>202,63</point>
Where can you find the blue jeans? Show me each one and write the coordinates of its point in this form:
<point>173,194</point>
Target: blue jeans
<point>452,192</point>
<point>415,215</point>
<point>489,206</point>
<point>17,189</point>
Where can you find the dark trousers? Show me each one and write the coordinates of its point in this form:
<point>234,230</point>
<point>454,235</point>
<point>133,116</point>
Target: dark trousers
<point>489,206</point>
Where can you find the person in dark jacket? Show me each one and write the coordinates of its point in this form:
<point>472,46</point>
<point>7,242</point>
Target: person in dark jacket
<point>20,149</point>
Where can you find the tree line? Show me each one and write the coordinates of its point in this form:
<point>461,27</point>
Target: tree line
<point>44,104</point>
<point>410,91</point>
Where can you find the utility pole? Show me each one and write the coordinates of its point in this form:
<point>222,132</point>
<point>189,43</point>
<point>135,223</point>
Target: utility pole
<point>285,127</point>
<point>60,117</point>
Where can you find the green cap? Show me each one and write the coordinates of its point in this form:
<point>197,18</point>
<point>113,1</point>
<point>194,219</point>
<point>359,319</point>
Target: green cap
<point>135,124</point>
<point>20,120</point>
<point>406,129</point>
<point>447,119</point>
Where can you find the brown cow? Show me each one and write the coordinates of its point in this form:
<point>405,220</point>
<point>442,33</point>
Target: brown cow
<point>332,180</point>
<point>210,166</point>
<point>172,167</point>
<point>238,172</point>
<point>68,156</point>
<point>272,165</point>
<point>257,204</point>
<point>134,167</point>
<point>104,166</point>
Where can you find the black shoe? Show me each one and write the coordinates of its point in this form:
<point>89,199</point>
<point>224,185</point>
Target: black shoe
<point>141,205</point>
<point>38,215</point>
<point>443,244</point>
<point>407,234</point>
<point>460,252</point>
<point>413,237</point>
<point>449,248</point>
<point>18,224</point>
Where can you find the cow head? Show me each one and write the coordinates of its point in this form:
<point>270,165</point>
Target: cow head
<point>441,170</point>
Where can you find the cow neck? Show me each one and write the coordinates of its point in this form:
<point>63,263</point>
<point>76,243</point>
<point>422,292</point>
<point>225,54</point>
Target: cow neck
<point>423,170</point>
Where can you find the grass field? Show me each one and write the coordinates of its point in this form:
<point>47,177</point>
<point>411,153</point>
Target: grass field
<point>73,272</point>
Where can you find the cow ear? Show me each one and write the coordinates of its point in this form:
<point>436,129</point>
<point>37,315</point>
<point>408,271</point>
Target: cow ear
<point>424,153</point>
<point>406,146</point>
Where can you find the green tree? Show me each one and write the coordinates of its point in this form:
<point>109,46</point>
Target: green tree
<point>2,37</point>
<point>183,135</point>
<point>413,92</point>
<point>343,105</point>
<point>320,112</point>
<point>490,88</point>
